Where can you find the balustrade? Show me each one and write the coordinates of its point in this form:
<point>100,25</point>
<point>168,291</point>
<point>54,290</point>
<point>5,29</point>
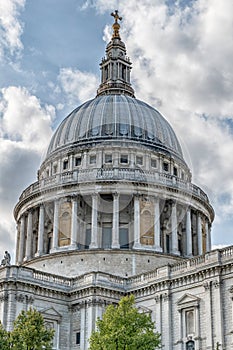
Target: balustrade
<point>92,175</point>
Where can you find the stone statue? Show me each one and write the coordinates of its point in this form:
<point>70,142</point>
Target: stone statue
<point>6,260</point>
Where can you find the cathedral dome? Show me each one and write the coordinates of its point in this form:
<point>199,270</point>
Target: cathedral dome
<point>117,116</point>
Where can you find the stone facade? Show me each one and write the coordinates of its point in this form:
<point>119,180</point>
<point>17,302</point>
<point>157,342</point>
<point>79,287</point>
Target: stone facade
<point>114,212</point>
<point>189,300</point>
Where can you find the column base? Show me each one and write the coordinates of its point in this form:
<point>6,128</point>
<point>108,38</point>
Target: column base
<point>115,246</point>
<point>53,250</point>
<point>93,246</point>
<point>175,252</point>
<point>38,254</point>
<point>158,249</point>
<point>137,246</point>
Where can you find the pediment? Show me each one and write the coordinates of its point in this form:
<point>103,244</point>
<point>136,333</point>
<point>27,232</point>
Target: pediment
<point>188,300</point>
<point>51,313</point>
<point>143,309</point>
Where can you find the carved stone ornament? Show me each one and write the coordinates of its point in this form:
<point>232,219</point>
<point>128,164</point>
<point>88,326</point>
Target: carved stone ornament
<point>4,297</point>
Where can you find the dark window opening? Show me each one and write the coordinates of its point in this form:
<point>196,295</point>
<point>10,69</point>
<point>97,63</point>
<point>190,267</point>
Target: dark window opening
<point>165,166</point>
<point>175,171</point>
<point>88,238</point>
<point>123,72</point>
<point>78,338</point>
<point>167,243</point>
<point>108,158</point>
<point>78,161</point>
<point>65,164</point>
<point>124,159</point>
<point>106,73</point>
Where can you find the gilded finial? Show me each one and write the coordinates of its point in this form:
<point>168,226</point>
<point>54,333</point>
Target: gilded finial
<point>116,26</point>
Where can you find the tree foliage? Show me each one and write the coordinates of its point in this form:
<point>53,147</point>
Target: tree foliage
<point>124,328</point>
<point>4,338</point>
<point>29,333</point>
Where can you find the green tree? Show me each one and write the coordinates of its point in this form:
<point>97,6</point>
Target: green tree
<point>4,338</point>
<point>30,333</point>
<point>124,328</point>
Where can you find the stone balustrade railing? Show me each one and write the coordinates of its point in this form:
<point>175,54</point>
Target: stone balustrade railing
<point>113,174</point>
<point>189,266</point>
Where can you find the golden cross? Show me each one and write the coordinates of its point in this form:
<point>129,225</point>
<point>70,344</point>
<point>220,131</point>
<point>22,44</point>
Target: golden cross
<point>116,16</point>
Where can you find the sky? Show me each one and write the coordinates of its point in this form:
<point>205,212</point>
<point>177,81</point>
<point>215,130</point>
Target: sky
<point>181,52</point>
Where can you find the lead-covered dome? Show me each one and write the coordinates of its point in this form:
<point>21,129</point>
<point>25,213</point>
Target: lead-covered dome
<point>115,117</point>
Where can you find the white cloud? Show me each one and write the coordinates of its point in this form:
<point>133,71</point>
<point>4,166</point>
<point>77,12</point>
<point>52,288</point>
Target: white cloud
<point>78,86</point>
<point>25,128</point>
<point>11,28</point>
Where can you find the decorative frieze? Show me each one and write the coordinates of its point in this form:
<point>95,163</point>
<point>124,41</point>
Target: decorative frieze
<point>4,296</point>
<point>24,298</point>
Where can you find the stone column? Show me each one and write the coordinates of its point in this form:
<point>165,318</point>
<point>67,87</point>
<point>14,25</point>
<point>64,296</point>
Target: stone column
<point>158,313</point>
<point>174,230</point>
<point>21,239</point>
<point>94,222</point>
<point>157,232</point>
<point>147,162</point>
<point>74,223</point>
<point>189,247</point>
<point>208,236</point>
<point>181,330</point>
<point>29,237</point>
<point>199,234</point>
<point>115,159</point>
<point>90,320</point>
<point>83,327</point>
<point>137,243</point>
<point>40,247</point>
<point>11,310</point>
<point>55,226</point>
<point>115,222</point>
<point>217,296</point>
<point>166,321</point>
<point>208,308</point>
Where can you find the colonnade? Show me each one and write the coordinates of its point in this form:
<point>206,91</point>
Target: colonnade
<point>25,237</point>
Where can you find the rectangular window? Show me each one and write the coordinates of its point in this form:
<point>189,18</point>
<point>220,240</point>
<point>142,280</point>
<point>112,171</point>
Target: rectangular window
<point>78,161</point>
<point>65,164</point>
<point>124,159</point>
<point>108,158</point>
<point>92,159</point>
<point>78,338</point>
<point>139,160</point>
<point>55,169</point>
<point>165,166</point>
<point>175,171</point>
<point>153,163</point>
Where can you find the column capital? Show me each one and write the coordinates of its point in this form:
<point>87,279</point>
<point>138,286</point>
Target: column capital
<point>116,194</point>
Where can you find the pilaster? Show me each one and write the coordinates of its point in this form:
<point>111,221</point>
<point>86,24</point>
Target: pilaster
<point>29,237</point>
<point>137,243</point>
<point>115,228</point>
<point>40,248</point>
<point>174,229</point>
<point>94,221</point>
<point>55,226</point>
